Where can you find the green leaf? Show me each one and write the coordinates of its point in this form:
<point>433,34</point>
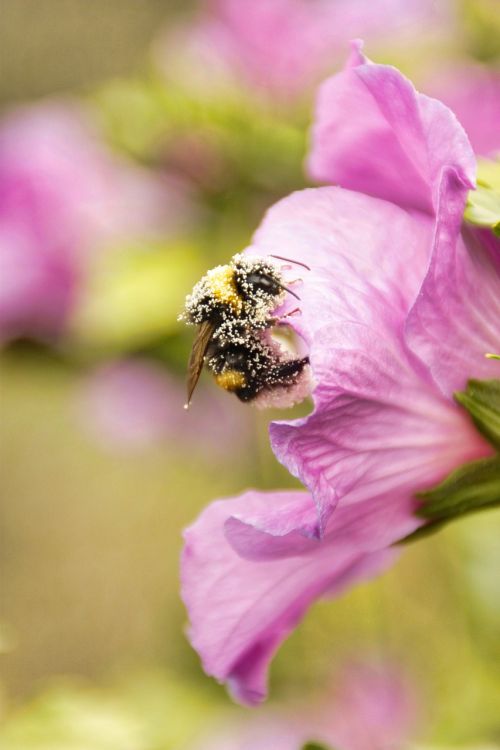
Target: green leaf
<point>472,487</point>
<point>483,204</point>
<point>482,401</point>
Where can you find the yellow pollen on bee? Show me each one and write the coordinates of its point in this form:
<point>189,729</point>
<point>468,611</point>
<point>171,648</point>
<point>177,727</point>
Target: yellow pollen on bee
<point>222,285</point>
<point>231,380</point>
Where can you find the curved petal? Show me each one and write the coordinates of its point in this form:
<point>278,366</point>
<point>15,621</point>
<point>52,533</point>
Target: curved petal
<point>288,525</point>
<point>380,425</point>
<point>240,610</point>
<point>456,318</point>
<point>379,433</point>
<point>374,133</point>
<point>367,257</point>
<point>275,532</point>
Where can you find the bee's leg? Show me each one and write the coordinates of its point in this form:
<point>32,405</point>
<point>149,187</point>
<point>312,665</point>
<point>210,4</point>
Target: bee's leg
<point>286,370</point>
<point>279,321</point>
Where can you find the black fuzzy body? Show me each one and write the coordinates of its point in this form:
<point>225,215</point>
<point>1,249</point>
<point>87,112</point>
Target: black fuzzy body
<point>235,304</point>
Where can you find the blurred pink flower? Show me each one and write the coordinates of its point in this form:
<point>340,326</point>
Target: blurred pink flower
<point>398,310</point>
<point>473,93</point>
<point>270,731</point>
<point>281,47</point>
<point>63,196</point>
<point>369,707</point>
<point>375,707</point>
<point>132,405</point>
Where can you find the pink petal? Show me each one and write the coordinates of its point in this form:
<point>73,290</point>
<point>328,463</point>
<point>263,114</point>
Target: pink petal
<point>380,427</point>
<point>282,528</point>
<point>374,133</point>
<point>241,611</point>
<point>367,257</point>
<point>379,433</point>
<point>456,318</point>
<point>288,525</point>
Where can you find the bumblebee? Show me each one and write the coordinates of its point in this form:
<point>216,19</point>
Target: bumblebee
<point>232,306</point>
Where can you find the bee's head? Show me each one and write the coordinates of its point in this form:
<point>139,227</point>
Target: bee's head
<point>255,277</point>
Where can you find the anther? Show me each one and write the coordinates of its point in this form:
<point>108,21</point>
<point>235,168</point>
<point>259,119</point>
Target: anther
<point>289,314</point>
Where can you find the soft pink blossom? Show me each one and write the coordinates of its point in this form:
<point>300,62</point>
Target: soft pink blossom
<point>398,310</point>
<point>473,93</point>
<point>130,404</point>
<point>280,47</point>
<point>134,404</point>
<point>375,707</point>
<point>369,707</point>
<point>63,197</point>
<point>263,733</point>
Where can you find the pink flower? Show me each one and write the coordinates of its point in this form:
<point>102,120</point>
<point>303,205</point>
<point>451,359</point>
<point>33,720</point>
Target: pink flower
<point>398,311</point>
<point>63,196</point>
<point>130,405</point>
<point>374,707</point>
<point>370,707</point>
<point>280,47</point>
<point>265,732</point>
<point>134,404</point>
<point>473,93</point>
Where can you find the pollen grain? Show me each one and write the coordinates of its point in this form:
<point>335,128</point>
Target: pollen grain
<point>222,285</point>
<point>230,380</point>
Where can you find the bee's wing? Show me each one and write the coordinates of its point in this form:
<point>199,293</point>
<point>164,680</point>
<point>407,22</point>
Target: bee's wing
<point>195,364</point>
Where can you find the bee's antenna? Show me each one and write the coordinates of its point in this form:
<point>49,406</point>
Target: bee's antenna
<point>286,289</point>
<point>289,260</point>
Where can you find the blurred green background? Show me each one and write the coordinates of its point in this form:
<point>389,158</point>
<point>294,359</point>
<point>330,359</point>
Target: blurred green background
<point>91,630</point>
